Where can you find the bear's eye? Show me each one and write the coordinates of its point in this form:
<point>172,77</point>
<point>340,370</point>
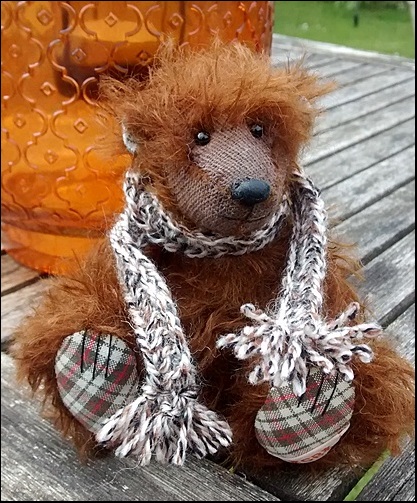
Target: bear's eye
<point>202,138</point>
<point>257,130</point>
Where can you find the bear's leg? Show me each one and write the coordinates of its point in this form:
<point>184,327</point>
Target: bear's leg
<point>271,425</point>
<point>45,344</point>
<point>303,429</point>
<point>96,376</point>
<point>383,414</point>
<point>383,405</point>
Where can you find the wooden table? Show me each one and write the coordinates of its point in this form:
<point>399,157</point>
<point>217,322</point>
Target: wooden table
<point>362,157</point>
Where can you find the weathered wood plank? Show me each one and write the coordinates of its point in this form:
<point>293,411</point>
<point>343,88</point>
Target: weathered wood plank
<point>365,104</point>
<point>298,483</point>
<point>336,139</point>
<point>282,54</point>
<point>355,77</point>
<point>341,51</point>
<point>336,68</point>
<point>351,89</point>
<point>328,66</point>
<point>355,158</point>
<point>40,466</point>
<point>395,480</point>
<point>282,57</point>
<point>16,305</point>
<point>14,275</point>
<point>324,67</point>
<point>313,59</point>
<point>381,224</point>
<point>318,60</point>
<point>403,332</point>
<point>389,285</point>
<point>362,189</point>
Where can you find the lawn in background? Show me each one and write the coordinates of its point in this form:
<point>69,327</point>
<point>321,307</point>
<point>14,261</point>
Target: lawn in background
<point>382,29</point>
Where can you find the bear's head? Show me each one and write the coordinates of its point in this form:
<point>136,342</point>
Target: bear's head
<point>215,133</point>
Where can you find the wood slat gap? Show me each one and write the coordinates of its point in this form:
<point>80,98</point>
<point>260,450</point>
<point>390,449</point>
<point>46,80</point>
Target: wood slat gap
<point>286,42</point>
<point>356,117</point>
<point>5,346</point>
<point>366,478</point>
<point>341,124</point>
<point>320,63</point>
<point>385,484</point>
<point>398,310</point>
<point>318,153</point>
<point>309,60</point>
<point>23,284</point>
<point>377,73</point>
<point>374,253</point>
<point>365,93</point>
<point>354,158</point>
<point>388,287</point>
<point>358,209</point>
<point>365,105</point>
<point>370,239</point>
<point>334,74</point>
<point>325,187</point>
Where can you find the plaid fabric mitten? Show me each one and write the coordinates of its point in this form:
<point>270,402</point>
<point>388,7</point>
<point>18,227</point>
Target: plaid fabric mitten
<point>303,429</point>
<point>96,376</point>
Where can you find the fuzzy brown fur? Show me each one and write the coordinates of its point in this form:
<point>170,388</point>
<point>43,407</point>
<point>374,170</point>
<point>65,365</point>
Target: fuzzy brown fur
<point>220,87</point>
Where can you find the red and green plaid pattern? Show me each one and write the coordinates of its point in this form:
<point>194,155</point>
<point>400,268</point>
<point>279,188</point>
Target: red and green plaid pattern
<point>96,376</point>
<point>303,429</point>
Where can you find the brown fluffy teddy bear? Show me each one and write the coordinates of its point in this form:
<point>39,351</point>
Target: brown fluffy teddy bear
<point>217,316</point>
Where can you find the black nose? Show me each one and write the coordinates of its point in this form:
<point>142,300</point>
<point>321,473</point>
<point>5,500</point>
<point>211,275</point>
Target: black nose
<point>250,191</point>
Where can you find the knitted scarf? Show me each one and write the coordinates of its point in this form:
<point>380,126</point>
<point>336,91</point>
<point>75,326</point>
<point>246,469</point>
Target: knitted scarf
<point>166,419</point>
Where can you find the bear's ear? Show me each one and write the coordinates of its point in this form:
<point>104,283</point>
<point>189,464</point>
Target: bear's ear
<point>129,141</point>
<point>122,101</point>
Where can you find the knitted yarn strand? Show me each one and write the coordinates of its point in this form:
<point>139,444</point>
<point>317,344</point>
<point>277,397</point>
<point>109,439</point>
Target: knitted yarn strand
<point>292,335</point>
<point>166,419</point>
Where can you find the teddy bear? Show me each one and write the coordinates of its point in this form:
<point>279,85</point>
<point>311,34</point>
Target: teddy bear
<point>218,314</point>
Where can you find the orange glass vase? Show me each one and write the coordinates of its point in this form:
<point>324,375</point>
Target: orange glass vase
<point>59,190</point>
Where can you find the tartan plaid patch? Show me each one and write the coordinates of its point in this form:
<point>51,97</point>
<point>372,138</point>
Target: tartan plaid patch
<point>96,376</point>
<point>303,429</point>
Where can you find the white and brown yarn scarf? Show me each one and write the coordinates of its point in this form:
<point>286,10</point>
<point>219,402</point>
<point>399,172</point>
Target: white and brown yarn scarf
<point>167,420</point>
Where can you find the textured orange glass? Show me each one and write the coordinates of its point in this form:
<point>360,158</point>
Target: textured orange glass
<point>59,190</point>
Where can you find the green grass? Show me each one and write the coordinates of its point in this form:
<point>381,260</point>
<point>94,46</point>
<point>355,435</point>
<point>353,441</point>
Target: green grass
<point>384,30</point>
<point>366,478</point>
